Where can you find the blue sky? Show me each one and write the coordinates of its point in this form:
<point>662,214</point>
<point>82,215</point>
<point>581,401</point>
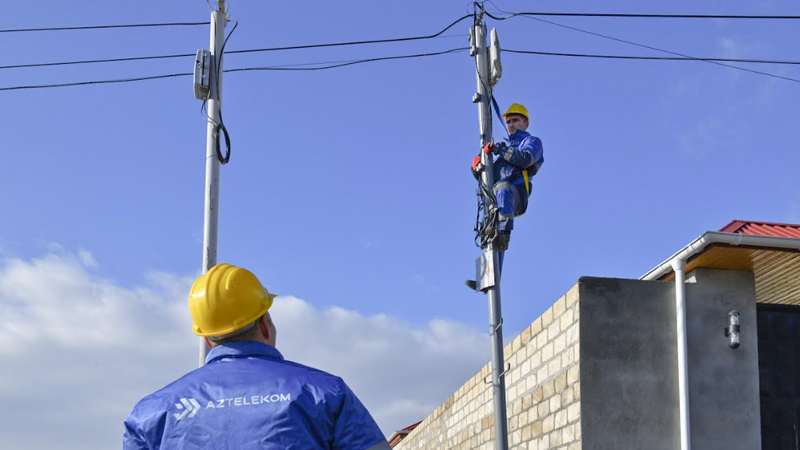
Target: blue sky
<point>350,188</point>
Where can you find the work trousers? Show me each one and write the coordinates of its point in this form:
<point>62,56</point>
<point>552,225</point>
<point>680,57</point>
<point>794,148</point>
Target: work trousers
<point>512,200</point>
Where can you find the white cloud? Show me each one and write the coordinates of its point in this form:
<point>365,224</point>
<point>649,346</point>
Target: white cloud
<point>79,351</point>
<point>87,259</point>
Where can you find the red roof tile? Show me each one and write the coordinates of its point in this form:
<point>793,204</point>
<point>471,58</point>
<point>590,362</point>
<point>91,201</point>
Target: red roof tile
<point>399,435</point>
<point>762,228</point>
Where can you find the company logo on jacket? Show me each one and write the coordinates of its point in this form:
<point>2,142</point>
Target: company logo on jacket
<point>189,407</point>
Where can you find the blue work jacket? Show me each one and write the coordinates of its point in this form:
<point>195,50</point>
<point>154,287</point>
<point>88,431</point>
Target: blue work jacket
<point>525,152</point>
<point>248,397</point>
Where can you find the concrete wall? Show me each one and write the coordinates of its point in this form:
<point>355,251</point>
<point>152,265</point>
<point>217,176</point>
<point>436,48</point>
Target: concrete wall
<point>629,382</point>
<point>543,393</point>
<point>724,394</point>
<point>628,362</point>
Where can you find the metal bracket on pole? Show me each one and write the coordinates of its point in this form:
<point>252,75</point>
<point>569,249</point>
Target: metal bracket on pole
<point>497,328</point>
<point>502,374</point>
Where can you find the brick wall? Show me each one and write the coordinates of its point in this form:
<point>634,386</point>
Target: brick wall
<point>542,393</point>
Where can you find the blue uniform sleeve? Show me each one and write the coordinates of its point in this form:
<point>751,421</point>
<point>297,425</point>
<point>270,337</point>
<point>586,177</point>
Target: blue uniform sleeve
<point>355,429</point>
<point>528,155</point>
<point>131,439</point>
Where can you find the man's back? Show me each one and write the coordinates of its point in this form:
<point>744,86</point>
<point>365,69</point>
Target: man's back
<point>247,396</point>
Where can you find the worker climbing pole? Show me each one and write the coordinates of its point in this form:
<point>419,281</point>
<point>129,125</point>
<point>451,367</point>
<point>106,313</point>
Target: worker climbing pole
<point>503,171</point>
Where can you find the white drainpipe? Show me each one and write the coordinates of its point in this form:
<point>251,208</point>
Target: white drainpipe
<point>677,264</point>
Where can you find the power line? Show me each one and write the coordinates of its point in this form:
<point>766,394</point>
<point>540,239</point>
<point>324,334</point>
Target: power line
<point>84,83</point>
<point>644,16</point>
<point>650,58</point>
<point>244,69</point>
<point>592,33</point>
<point>439,34</point>
<point>347,63</point>
<point>96,61</point>
<point>105,27</point>
<point>555,14</point>
<point>145,58</point>
<point>340,44</point>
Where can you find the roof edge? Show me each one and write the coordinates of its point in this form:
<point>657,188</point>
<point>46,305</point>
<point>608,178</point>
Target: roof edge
<point>736,225</point>
<point>716,237</point>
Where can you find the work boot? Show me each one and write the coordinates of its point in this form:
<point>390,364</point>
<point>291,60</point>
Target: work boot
<point>471,284</point>
<point>501,240</point>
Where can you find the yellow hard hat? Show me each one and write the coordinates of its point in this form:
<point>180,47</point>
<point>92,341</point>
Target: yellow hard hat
<point>516,108</point>
<point>226,299</point>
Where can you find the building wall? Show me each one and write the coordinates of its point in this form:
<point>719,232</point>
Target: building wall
<point>598,371</point>
<point>629,363</point>
<point>543,392</point>
<point>724,397</point>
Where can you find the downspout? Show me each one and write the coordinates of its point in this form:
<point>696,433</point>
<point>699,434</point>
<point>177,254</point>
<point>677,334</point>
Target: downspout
<point>678,265</point>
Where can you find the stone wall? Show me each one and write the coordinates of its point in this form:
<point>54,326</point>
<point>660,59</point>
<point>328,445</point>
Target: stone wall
<point>542,393</point>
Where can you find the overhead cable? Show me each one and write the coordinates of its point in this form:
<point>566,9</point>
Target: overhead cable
<point>255,50</point>
<point>650,58</point>
<point>340,44</point>
<point>730,66</point>
<point>145,58</point>
<point>645,16</point>
<point>105,27</point>
<point>84,83</point>
<point>347,63</point>
<point>244,69</point>
<point>540,13</point>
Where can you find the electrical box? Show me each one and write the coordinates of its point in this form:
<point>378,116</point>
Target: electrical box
<point>485,271</point>
<point>202,74</point>
<point>494,59</point>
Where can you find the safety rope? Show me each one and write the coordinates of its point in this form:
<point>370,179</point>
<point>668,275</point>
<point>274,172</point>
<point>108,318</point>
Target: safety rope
<point>499,116</point>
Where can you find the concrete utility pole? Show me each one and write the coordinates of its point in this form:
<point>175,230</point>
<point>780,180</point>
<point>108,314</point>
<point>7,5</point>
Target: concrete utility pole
<point>487,266</point>
<point>218,20</point>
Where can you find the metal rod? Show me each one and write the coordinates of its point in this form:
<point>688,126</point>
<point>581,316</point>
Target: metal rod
<point>493,293</point>
<point>211,215</point>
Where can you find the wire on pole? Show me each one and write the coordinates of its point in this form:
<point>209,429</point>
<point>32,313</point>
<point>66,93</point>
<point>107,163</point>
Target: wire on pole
<point>105,27</point>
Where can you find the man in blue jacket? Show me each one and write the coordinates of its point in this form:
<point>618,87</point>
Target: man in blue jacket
<point>247,396</point>
<point>515,164</point>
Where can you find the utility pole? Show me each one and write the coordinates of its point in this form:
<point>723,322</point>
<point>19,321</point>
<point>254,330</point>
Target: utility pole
<point>487,266</point>
<point>218,20</point>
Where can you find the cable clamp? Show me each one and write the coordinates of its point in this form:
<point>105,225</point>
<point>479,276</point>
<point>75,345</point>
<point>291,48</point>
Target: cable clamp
<point>502,374</point>
<point>499,325</point>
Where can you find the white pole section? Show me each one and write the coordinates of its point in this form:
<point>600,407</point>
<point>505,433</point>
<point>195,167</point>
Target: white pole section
<point>210,221</point>
<point>679,265</point>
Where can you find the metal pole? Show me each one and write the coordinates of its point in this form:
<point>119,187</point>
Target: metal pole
<point>218,20</point>
<point>484,98</point>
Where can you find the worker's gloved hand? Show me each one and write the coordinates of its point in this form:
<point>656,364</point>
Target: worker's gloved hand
<point>475,161</point>
<point>488,148</point>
